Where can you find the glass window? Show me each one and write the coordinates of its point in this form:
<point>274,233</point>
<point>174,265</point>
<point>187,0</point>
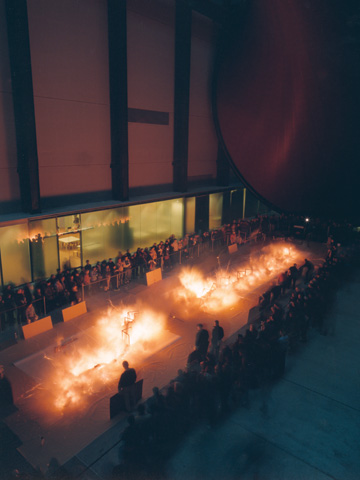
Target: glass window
<point>148,224</point>
<point>44,247</point>
<point>169,219</point>
<point>177,217</point>
<point>68,241</point>
<point>163,220</point>
<point>132,228</point>
<point>93,236</point>
<point>190,215</point>
<point>69,250</point>
<point>68,229</point>
<point>215,210</point>
<point>106,233</point>
<point>103,234</point>
<point>68,224</point>
<point>15,254</point>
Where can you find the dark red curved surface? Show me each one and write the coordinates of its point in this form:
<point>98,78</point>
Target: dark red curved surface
<point>285,107</point>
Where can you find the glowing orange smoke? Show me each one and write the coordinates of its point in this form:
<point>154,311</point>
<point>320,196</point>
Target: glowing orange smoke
<point>226,286</point>
<point>84,365</point>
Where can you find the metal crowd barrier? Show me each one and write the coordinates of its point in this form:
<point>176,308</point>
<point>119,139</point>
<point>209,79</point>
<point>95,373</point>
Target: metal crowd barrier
<point>15,317</point>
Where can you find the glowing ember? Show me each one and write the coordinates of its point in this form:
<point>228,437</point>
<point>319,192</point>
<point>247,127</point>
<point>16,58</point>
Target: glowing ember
<point>224,289</point>
<point>84,365</point>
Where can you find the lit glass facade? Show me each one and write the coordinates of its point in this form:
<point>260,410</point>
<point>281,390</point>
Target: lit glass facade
<point>43,247</point>
<point>215,210</point>
<point>190,215</point>
<point>15,254</point>
<point>36,248</point>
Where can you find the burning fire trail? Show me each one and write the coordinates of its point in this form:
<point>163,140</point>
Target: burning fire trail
<point>224,289</point>
<point>82,366</point>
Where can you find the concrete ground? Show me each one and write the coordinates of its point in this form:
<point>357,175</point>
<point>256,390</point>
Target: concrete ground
<point>309,427</point>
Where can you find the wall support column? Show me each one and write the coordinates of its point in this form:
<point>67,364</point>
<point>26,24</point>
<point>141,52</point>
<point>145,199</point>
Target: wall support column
<point>118,99</point>
<point>202,214</point>
<point>23,100</point>
<point>183,14</point>
<point>244,203</point>
<point>226,208</point>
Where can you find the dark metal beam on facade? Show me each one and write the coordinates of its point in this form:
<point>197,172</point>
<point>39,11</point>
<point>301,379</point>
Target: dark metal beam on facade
<point>118,99</point>
<point>222,168</point>
<point>23,101</point>
<point>226,208</point>
<point>181,94</point>
<point>202,213</point>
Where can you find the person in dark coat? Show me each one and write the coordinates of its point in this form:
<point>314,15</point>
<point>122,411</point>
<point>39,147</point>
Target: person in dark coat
<point>128,377</point>
<point>293,275</point>
<point>28,292</point>
<point>8,298</point>
<point>20,302</point>
<point>6,396</point>
<point>309,270</point>
<point>202,340</point>
<point>217,335</point>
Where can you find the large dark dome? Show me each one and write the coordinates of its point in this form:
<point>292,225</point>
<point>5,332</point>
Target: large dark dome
<point>286,103</point>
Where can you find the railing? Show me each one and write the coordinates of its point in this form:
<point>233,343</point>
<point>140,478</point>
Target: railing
<point>13,319</point>
<point>137,272</point>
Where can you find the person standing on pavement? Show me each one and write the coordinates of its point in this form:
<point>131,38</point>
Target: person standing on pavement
<point>202,340</point>
<point>217,335</point>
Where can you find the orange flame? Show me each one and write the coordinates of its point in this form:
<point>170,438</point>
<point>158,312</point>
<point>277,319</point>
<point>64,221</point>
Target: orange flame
<point>224,288</point>
<point>84,365</point>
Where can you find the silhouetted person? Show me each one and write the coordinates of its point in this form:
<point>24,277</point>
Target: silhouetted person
<point>217,335</point>
<point>130,439</point>
<point>309,269</point>
<point>293,275</point>
<point>128,377</point>
<point>156,404</point>
<point>30,314</point>
<point>202,341</point>
<point>6,396</point>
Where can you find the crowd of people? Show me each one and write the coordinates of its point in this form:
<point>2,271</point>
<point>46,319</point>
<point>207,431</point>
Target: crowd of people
<point>218,378</point>
<point>27,303</point>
